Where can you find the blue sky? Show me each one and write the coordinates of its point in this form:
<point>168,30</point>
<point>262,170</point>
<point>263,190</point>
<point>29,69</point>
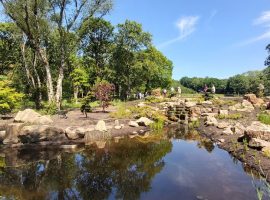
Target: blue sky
<point>216,38</point>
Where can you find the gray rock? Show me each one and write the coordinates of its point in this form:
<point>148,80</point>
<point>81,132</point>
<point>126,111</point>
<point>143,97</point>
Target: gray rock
<point>28,115</point>
<point>118,127</point>
<point>221,140</point>
<point>77,132</point>
<point>144,121</point>
<point>133,124</point>
<point>190,104</point>
<point>228,131</point>
<point>46,119</point>
<point>116,123</point>
<point>31,116</point>
<point>12,132</point>
<point>39,133</point>
<point>258,143</point>
<point>211,121</point>
<point>258,130</point>
<point>223,125</point>
<point>101,126</point>
<point>223,112</point>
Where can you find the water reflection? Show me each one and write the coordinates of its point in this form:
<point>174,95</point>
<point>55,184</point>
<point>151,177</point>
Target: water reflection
<point>122,170</point>
<point>184,165</point>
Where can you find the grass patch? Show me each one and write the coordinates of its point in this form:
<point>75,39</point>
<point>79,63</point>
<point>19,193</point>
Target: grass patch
<point>194,124</point>
<point>264,118</point>
<point>234,116</point>
<point>153,99</point>
<point>220,102</point>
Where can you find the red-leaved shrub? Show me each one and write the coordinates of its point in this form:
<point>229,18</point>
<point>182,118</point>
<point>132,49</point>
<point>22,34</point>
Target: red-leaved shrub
<point>104,92</point>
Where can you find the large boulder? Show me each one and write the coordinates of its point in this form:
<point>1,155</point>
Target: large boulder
<point>27,115</point>
<point>76,132</point>
<point>251,98</point>
<point>31,116</point>
<point>144,121</point>
<point>12,132</point>
<point>39,133</point>
<point>101,126</point>
<point>258,130</point>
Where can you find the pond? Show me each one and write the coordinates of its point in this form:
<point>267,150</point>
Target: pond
<point>178,166</point>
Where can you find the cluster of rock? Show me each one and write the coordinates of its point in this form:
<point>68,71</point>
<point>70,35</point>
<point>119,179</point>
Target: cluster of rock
<point>258,136</point>
<point>30,127</point>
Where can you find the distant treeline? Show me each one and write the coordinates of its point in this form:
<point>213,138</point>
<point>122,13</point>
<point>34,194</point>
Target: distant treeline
<point>239,84</point>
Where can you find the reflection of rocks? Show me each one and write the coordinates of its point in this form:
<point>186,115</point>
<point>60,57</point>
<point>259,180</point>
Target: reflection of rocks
<point>91,137</point>
<point>126,168</point>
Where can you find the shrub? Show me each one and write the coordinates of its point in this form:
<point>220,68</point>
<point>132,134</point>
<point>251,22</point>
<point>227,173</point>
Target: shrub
<point>264,118</point>
<point>103,92</point>
<point>9,98</point>
<point>49,109</point>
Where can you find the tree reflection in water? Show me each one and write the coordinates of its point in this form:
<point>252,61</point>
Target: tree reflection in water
<point>121,170</point>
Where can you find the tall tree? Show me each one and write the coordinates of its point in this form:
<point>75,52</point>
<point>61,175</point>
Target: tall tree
<point>36,19</point>
<point>96,43</point>
<point>130,39</point>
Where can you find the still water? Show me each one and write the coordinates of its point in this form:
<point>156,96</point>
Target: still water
<point>178,166</point>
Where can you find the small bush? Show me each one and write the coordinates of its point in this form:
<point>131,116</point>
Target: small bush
<point>49,109</point>
<point>104,92</point>
<point>9,98</point>
<point>264,118</point>
<point>194,124</point>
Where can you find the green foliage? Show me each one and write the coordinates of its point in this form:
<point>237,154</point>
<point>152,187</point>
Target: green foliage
<point>194,124</point>
<point>197,84</point>
<point>9,98</point>
<point>208,96</point>
<point>264,118</point>
<point>49,109</point>
<point>154,99</point>
<point>157,125</point>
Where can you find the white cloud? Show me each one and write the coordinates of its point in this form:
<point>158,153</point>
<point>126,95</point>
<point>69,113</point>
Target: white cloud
<point>263,20</point>
<point>186,26</point>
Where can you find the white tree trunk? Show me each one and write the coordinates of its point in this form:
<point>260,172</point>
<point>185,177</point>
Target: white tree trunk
<point>44,59</point>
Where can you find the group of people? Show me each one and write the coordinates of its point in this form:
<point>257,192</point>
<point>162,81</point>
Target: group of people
<point>213,89</point>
